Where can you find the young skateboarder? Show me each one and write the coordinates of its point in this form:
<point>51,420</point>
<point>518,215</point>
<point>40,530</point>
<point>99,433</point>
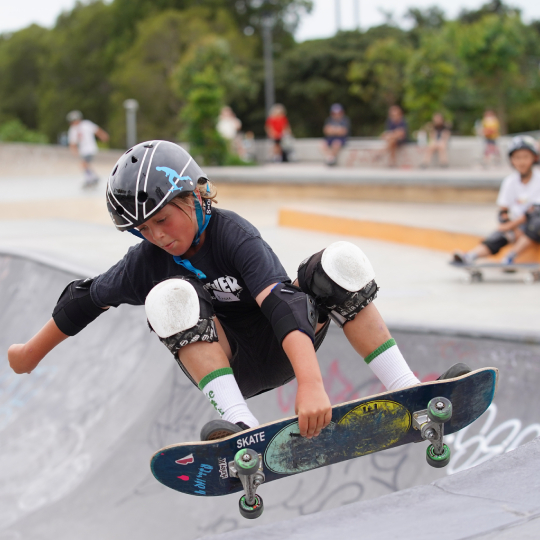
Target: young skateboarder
<point>519,206</point>
<point>82,142</point>
<point>218,297</point>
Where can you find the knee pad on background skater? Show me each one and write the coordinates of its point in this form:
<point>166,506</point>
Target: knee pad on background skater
<point>532,226</point>
<point>341,279</point>
<point>496,241</point>
<point>180,312</point>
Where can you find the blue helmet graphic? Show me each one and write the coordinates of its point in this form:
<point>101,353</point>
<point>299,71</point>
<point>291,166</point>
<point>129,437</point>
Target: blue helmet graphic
<point>146,178</point>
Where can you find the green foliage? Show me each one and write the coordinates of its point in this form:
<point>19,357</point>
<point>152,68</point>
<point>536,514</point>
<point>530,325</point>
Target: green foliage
<point>430,75</point>
<point>204,100</point>
<point>165,45</point>
<point>378,78</point>
<point>76,70</point>
<point>16,131</point>
<point>156,51</point>
<point>21,56</point>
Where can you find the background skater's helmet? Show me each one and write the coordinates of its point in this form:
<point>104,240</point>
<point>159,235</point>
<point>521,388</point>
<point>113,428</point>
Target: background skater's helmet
<point>146,178</point>
<point>523,142</point>
<point>73,116</point>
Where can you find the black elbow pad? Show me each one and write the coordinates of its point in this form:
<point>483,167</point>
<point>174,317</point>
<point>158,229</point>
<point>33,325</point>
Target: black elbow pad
<point>75,308</point>
<point>288,308</point>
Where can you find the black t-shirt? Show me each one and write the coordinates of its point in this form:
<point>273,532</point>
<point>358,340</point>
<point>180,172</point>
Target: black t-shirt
<point>344,122</point>
<point>237,262</point>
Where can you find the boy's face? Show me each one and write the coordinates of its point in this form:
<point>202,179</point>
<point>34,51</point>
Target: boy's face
<point>172,228</point>
<point>522,160</point>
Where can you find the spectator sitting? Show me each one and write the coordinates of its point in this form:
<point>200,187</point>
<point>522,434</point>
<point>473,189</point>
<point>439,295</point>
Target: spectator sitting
<point>438,136</point>
<point>336,130</point>
<point>519,202</point>
<point>490,131</point>
<point>395,134</point>
<point>277,126</point>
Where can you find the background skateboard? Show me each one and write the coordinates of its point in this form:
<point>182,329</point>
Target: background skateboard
<point>358,428</point>
<point>530,272</point>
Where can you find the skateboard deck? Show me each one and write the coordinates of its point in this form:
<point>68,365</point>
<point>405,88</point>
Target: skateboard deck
<point>358,427</point>
<point>529,271</point>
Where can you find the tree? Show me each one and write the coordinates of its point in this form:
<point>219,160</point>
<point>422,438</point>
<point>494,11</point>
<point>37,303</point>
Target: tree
<point>378,78</point>
<point>429,76</point>
<point>76,69</point>
<point>148,70</point>
<point>22,55</point>
<point>492,48</point>
<point>204,101</point>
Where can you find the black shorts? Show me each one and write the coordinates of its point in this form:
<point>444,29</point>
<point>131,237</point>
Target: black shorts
<point>259,363</point>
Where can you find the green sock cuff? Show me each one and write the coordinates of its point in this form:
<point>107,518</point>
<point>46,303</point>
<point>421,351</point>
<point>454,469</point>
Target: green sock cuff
<point>214,375</point>
<point>379,350</point>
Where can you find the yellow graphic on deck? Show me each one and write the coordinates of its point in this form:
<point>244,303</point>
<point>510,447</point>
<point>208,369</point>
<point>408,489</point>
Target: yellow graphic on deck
<point>376,425</point>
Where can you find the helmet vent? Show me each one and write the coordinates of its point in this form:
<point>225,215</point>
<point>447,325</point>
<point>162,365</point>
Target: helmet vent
<point>115,169</point>
<point>119,210</point>
<point>129,150</point>
<point>134,159</point>
<point>149,145</point>
<point>142,196</point>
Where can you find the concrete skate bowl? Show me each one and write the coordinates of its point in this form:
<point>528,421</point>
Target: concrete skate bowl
<point>76,435</point>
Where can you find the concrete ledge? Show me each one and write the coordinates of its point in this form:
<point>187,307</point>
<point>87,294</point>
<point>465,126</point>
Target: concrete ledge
<point>502,494</point>
<point>390,232</point>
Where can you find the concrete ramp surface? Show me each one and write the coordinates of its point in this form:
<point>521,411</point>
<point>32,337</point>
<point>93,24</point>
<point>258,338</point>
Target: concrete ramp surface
<point>77,434</point>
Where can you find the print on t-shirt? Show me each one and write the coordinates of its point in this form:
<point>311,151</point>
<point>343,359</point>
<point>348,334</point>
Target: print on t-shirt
<point>224,289</point>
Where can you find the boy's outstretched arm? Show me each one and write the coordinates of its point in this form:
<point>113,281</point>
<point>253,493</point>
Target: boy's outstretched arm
<point>23,358</point>
<point>312,405</point>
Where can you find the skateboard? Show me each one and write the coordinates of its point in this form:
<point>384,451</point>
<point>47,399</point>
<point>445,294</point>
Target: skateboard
<point>246,460</point>
<point>529,271</point>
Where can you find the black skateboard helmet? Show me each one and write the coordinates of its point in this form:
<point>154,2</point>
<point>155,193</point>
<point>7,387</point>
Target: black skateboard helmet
<point>146,178</point>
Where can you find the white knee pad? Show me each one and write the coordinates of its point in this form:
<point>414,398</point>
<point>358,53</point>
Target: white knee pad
<point>347,265</point>
<point>172,306</point>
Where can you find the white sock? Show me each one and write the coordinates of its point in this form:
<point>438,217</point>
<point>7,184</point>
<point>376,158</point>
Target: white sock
<point>221,389</point>
<point>390,367</point>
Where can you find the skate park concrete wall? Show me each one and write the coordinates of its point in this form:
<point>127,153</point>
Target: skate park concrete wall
<point>77,434</point>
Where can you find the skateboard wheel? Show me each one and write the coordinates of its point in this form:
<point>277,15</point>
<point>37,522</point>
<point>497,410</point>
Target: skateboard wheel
<point>435,460</point>
<point>246,461</point>
<point>439,410</point>
<point>251,512</point>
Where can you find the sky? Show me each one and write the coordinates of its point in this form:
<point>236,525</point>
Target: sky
<point>17,14</point>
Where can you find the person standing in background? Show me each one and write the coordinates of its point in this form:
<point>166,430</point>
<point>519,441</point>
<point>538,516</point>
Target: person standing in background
<point>491,132</point>
<point>82,142</point>
<point>276,127</point>
<point>228,126</point>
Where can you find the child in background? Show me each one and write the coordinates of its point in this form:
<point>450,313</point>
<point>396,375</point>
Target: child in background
<point>519,206</point>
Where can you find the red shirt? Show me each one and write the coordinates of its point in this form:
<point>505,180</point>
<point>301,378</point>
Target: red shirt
<point>277,125</point>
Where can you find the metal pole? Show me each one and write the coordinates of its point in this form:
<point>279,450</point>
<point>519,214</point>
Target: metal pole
<point>131,106</point>
<point>338,16</point>
<point>357,13</point>
<point>269,90</point>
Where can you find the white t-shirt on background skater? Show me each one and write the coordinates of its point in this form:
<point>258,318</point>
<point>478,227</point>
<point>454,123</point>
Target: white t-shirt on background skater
<point>517,196</point>
<point>83,135</point>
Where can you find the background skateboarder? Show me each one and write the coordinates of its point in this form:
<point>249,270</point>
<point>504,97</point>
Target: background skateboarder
<point>82,142</point>
<point>519,206</point>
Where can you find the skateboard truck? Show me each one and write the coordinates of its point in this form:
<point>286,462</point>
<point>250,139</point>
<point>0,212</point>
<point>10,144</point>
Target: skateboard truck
<point>247,467</point>
<point>430,422</point>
